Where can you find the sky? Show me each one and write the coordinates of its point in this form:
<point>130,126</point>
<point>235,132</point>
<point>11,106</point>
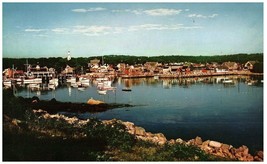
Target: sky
<point>142,29</point>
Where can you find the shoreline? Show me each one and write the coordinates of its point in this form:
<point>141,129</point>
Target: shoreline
<point>209,146</point>
<point>238,73</point>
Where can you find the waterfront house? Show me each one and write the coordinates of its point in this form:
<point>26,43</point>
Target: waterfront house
<point>249,65</point>
<point>121,67</point>
<point>211,66</point>
<point>68,70</point>
<point>198,68</point>
<point>150,66</point>
<point>221,69</point>
<point>94,63</point>
<point>231,65</point>
<point>37,71</point>
<point>12,73</point>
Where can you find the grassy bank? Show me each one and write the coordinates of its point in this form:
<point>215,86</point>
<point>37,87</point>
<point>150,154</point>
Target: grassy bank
<point>29,137</point>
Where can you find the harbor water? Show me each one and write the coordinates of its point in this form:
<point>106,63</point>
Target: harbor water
<point>231,113</point>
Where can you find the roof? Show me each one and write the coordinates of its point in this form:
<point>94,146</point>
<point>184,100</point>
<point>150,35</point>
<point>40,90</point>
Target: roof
<point>252,62</point>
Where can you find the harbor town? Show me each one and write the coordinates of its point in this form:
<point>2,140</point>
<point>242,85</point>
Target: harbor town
<point>36,74</point>
<point>132,81</point>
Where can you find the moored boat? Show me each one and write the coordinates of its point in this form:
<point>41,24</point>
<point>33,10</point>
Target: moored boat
<point>228,81</point>
<point>102,92</point>
<point>127,89</point>
<point>32,81</point>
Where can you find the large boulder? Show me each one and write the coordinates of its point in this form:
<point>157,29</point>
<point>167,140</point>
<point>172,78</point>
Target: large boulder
<point>91,101</point>
<point>179,141</point>
<point>258,156</point>
<point>215,144</point>
<point>198,141</point>
<point>140,131</point>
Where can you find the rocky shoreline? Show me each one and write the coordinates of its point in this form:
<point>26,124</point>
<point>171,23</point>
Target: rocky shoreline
<point>211,147</point>
<point>53,106</point>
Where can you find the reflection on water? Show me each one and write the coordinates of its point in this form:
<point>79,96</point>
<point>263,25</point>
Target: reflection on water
<point>227,109</point>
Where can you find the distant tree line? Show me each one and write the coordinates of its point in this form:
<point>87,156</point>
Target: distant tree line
<point>80,63</point>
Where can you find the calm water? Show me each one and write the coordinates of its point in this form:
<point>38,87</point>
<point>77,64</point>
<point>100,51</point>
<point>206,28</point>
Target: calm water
<point>186,108</point>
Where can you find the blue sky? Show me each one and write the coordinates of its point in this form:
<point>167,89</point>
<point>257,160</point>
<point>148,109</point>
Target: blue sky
<point>142,29</point>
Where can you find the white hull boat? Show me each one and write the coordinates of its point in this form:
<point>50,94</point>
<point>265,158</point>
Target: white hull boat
<point>32,81</point>
<point>71,80</point>
<point>102,92</point>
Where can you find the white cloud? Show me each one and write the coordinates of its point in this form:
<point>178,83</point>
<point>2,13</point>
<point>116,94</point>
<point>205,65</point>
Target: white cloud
<point>96,9</point>
<point>92,30</point>
<point>60,30</point>
<point>34,30</point>
<point>152,12</point>
<point>96,30</point>
<point>213,15</point>
<point>79,10</point>
<point>137,12</point>
<point>162,12</point>
<point>89,10</point>
<point>202,16</point>
<point>149,27</point>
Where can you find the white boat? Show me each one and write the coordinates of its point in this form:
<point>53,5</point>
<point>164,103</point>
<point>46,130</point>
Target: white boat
<point>85,81</point>
<point>51,86</point>
<point>101,79</point>
<point>228,81</point>
<point>71,80</point>
<point>53,81</point>
<point>105,85</point>
<point>81,88</point>
<point>75,85</point>
<point>32,81</point>
<point>251,82</point>
<point>102,92</point>
<point>7,82</point>
<point>34,86</point>
<point>18,80</point>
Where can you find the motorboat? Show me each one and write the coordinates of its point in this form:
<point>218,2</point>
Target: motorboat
<point>227,81</point>
<point>32,81</point>
<point>102,92</point>
<point>51,86</point>
<point>71,80</point>
<point>84,80</point>
<point>54,81</point>
<point>81,87</point>
<point>7,82</point>
<point>126,89</point>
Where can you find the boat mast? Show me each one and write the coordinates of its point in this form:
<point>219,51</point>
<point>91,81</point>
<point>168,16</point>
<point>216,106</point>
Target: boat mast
<point>27,67</point>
